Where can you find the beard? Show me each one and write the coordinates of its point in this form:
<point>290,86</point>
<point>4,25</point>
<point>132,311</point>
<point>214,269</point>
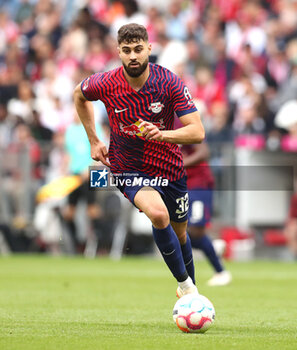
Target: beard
<point>135,72</point>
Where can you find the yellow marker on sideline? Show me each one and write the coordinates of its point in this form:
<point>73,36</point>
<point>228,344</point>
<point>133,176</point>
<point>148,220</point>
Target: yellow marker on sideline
<point>58,188</point>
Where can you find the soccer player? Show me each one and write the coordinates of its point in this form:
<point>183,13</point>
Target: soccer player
<point>78,150</point>
<point>290,229</point>
<point>200,184</point>
<point>141,99</point>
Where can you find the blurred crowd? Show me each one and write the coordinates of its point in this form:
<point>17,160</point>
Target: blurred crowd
<point>238,58</point>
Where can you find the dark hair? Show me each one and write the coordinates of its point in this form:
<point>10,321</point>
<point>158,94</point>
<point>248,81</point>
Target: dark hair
<point>132,32</point>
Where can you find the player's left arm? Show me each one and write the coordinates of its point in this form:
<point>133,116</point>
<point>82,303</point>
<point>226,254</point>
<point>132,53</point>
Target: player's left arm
<point>191,132</point>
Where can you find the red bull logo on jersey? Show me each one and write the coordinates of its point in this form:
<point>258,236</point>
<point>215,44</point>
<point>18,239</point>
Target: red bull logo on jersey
<point>160,124</point>
<point>156,107</point>
<point>133,129</point>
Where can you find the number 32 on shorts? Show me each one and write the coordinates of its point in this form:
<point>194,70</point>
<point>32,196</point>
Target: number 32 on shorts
<point>183,206</point>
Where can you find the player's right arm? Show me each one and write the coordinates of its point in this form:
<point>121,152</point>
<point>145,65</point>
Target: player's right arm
<point>85,111</point>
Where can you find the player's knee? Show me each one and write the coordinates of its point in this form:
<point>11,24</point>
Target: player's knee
<point>182,238</point>
<point>159,217</point>
<point>196,232</point>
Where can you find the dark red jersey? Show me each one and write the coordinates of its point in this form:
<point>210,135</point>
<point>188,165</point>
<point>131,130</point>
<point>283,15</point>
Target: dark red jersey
<point>293,207</point>
<point>199,175</point>
<point>162,95</point>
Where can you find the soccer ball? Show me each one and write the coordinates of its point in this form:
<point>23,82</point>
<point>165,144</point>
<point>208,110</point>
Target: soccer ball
<point>193,313</point>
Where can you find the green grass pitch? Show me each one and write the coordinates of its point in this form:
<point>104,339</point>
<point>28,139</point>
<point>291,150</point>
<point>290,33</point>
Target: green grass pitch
<point>74,303</point>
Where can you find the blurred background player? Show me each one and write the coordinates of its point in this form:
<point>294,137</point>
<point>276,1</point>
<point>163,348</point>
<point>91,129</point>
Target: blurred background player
<point>200,183</point>
<point>78,149</point>
<point>290,230</point>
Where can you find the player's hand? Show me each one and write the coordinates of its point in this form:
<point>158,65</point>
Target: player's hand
<point>100,153</point>
<point>150,131</point>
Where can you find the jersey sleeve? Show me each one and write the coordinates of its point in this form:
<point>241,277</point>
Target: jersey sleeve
<point>181,98</point>
<point>92,87</point>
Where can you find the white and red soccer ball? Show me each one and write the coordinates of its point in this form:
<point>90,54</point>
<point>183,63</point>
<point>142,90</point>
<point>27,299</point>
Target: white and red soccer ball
<point>193,313</point>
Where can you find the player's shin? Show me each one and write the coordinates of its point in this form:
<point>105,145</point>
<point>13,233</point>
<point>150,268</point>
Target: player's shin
<point>170,249</point>
<point>71,227</point>
<point>205,244</point>
<point>188,258</point>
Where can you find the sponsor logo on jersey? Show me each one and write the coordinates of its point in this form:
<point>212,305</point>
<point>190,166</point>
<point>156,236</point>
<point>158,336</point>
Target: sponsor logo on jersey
<point>133,129</point>
<point>160,124</point>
